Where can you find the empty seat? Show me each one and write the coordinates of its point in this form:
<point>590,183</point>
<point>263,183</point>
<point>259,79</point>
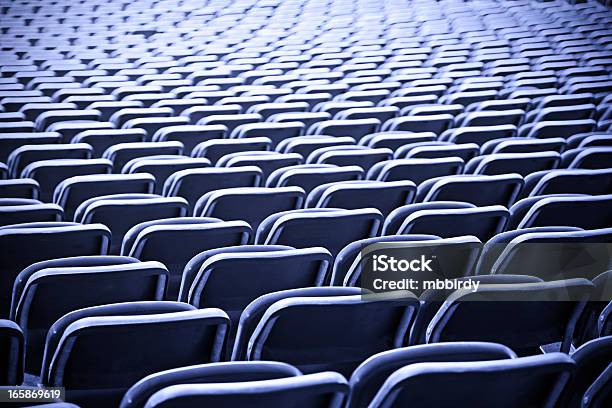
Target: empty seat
<point>588,212</point>
<point>101,139</point>
<point>192,184</point>
<point>11,345</point>
<point>527,381</point>
<point>305,145</point>
<point>174,241</point>
<point>17,211</point>
<point>434,150</point>
<point>355,128</point>
<point>76,283</point>
<point>11,141</point>
<point>45,240</point>
<point>575,181</point>
<point>481,222</point>
<point>311,227</point>
<point>592,359</point>
<point>334,324</point>
<point>415,170</point>
<point>520,163</point>
<point>225,372</point>
<point>394,140</point>
<point>215,149</point>
<point>349,155</point>
<point>25,155</point>
<point>540,250</point>
<point>162,166</point>
<point>276,132</point>
<point>49,173</point>
<point>190,135</point>
<point>309,176</point>
<point>323,390</point>
<point>587,158</point>
<point>266,161</point>
<point>523,145</point>
<point>426,123</point>
<point>120,212</point>
<point>384,196</point>
<point>548,309</point>
<point>478,134</point>
<point>96,377</point>
<point>494,247</point>
<point>372,373</point>
<point>120,154</point>
<point>250,204</point>
<point>73,191</point>
<point>19,188</point>
<point>478,190</point>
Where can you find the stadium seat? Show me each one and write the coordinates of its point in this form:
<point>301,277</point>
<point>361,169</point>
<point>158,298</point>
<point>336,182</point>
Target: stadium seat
<point>504,382</point>
<point>384,196</point>
<point>464,316</point>
<point>325,390</point>
<point>367,379</point>
<point>174,241</point>
<point>130,325</point>
<point>250,204</point>
<point>325,344</point>
<point>76,283</point>
<point>120,212</point>
<point>212,373</point>
<point>45,240</point>
<point>311,227</point>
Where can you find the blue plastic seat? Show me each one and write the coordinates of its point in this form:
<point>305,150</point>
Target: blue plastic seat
<point>335,322</point>
<point>76,283</point>
<point>368,378</point>
<point>321,390</point>
<point>45,240</point>
<point>212,373</point>
<point>384,196</point>
<point>95,377</point>
<point>527,381</point>
<point>469,315</point>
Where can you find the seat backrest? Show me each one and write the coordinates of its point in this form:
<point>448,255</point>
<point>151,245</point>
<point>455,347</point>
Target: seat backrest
<point>212,373</point>
<point>11,352</point>
<point>527,381</point>
<point>74,287</point>
<point>542,313</point>
<point>73,191</point>
<point>481,222</point>
<point>346,257</point>
<point>192,184</point>
<point>321,390</point>
<point>588,212</point>
<point>574,181</point>
<point>174,241</point>
<point>309,228</point>
<point>46,240</point>
<point>79,356</point>
<point>250,204</point>
<point>384,196</point>
<point>478,190</point>
<point>592,359</point>
<point>415,170</point>
<point>331,330</point>
<point>372,373</point>
<point>120,212</point>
